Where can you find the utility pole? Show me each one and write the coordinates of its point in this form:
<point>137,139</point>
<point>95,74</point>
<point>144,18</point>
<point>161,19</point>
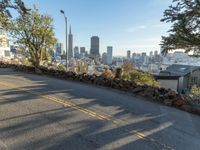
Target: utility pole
<point>66,38</point>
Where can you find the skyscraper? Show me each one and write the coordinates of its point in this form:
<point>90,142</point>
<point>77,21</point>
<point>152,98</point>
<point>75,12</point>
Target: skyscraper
<point>109,55</point>
<point>82,52</point>
<point>134,55</point>
<point>70,44</point>
<point>76,52</point>
<point>144,54</point>
<point>151,53</point>
<point>59,48</point>
<point>104,58</point>
<point>94,51</point>
<point>128,54</point>
<point>155,53</point>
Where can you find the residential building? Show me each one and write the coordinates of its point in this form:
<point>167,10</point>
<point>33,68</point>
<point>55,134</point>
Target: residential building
<point>4,45</point>
<point>180,78</point>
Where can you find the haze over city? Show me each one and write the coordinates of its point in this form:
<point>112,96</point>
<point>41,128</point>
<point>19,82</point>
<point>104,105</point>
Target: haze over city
<point>125,25</point>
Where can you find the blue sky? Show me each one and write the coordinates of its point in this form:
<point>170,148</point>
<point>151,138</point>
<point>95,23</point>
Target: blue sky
<point>124,24</point>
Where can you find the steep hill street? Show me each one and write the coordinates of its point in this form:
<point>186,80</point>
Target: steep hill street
<point>39,112</point>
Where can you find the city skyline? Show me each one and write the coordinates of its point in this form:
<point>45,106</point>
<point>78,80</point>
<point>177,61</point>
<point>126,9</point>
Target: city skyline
<point>126,25</point>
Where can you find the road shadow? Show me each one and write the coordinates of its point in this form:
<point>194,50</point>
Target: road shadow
<point>87,133</point>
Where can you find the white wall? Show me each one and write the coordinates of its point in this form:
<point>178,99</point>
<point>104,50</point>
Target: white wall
<point>169,84</point>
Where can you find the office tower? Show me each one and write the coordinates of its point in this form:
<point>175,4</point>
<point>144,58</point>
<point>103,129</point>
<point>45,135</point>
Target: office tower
<point>138,55</point>
<point>82,50</point>
<point>59,48</point>
<point>128,54</point>
<point>94,51</point>
<point>134,55</point>
<point>109,55</point>
<point>144,54</point>
<point>104,58</point>
<point>151,53</point>
<point>76,52</point>
<point>155,53</point>
<point>70,44</point>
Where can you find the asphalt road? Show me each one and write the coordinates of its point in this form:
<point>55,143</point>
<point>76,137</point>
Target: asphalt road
<point>40,113</point>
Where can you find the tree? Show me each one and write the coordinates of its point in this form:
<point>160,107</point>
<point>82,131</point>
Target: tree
<point>34,32</point>
<point>185,30</point>
<point>5,14</point>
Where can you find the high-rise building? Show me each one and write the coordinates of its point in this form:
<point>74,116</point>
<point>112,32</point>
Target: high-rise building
<point>70,44</point>
<point>128,54</point>
<point>144,54</point>
<point>76,52</point>
<point>94,50</point>
<point>155,53</point>
<point>82,50</point>
<point>59,48</point>
<point>104,58</point>
<point>134,55</point>
<point>151,53</point>
<point>109,55</point>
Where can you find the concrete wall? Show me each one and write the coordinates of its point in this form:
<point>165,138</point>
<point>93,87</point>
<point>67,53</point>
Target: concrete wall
<point>168,84</point>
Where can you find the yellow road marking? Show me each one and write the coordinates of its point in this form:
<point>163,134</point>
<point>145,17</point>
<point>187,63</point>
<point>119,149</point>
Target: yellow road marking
<point>88,112</point>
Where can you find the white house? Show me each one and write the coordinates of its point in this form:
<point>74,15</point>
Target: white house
<point>5,52</point>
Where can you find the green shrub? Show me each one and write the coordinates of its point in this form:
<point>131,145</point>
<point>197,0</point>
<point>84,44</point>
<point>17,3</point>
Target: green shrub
<point>137,76</point>
<point>195,91</point>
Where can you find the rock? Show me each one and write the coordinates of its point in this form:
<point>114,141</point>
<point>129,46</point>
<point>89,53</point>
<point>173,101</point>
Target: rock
<point>196,109</point>
<point>137,90</point>
<point>179,103</point>
<point>38,71</point>
<point>187,108</point>
<point>168,102</point>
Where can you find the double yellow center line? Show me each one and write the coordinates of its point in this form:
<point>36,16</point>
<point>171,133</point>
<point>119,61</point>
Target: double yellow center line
<point>88,112</point>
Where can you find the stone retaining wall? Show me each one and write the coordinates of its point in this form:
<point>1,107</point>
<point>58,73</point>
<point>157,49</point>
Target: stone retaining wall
<point>161,95</point>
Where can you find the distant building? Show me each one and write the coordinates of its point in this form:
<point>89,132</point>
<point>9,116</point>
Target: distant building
<point>70,45</point>
<point>104,58</point>
<point>59,48</point>
<point>76,52</point>
<point>138,54</point>
<point>151,54</point>
<point>180,78</point>
<point>155,53</point>
<point>128,54</point>
<point>4,45</point>
<point>144,54</point>
<point>109,55</point>
<point>94,50</point>
<point>82,52</point>
<point>134,55</point>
